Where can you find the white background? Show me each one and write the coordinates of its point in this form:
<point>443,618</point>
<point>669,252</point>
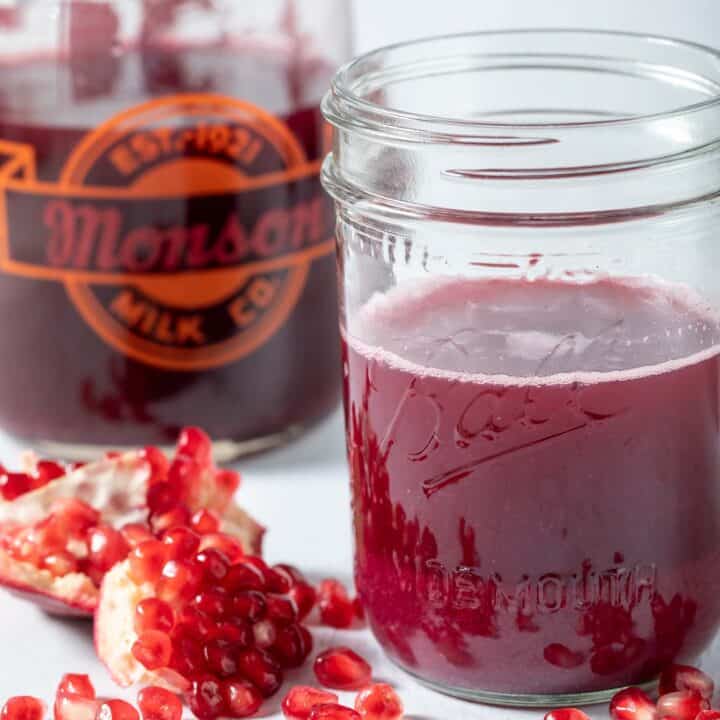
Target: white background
<point>300,492</point>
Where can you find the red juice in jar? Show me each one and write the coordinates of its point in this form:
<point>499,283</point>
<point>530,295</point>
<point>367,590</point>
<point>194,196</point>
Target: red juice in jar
<point>167,252</point>
<point>524,456</point>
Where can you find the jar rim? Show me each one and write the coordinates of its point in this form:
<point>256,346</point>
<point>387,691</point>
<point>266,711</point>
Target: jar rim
<point>344,106</point>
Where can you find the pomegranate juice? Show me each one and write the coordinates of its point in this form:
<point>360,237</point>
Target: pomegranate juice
<point>535,477</point>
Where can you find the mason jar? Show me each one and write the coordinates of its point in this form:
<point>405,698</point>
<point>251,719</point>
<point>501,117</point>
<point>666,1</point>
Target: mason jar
<point>166,249</point>
<point>530,310</point>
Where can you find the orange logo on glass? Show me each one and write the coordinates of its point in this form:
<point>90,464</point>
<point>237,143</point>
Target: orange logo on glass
<point>183,229</point>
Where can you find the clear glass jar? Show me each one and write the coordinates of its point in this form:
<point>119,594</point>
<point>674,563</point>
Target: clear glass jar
<point>167,249</point>
<point>528,228</point>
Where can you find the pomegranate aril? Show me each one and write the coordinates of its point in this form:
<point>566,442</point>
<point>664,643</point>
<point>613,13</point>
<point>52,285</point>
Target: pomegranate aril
<point>153,614</point>
<point>74,516</point>
<point>75,707</point>
<point>221,658</point>
<point>179,516</point>
<point>182,543</point>
<point>292,575</point>
<point>135,534</point>
<point>60,564</point>
<point>566,714</point>
<point>241,699</point>
<point>228,481</point>
<point>205,522</point>
<point>213,563</point>
<point>158,463</point>
<point>281,609</point>
<point>195,443</point>
<point>379,702</point>
<point>708,715</point>
<point>264,634</point>
<point>250,605</point>
<point>206,698</point>
<point>188,657</point>
<point>336,607</point>
<point>242,576</point>
<point>333,711</point>
<point>342,669</point>
<point>146,562</point>
<point>359,609</point>
<point>162,497</point>
<point>46,471</point>
<point>106,547</point>
<point>212,604</point>
<point>261,670</point>
<point>293,646</point>
<point>153,650</point>
<point>159,704</point>
<point>79,685</point>
<point>23,707</point>
<point>304,596</point>
<point>13,485</point>
<point>182,474</point>
<point>228,546</point>
<point>681,705</point>
<point>686,677</point>
<point>298,703</point>
<point>237,632</point>
<point>116,710</point>
<point>179,581</point>
<point>632,704</point>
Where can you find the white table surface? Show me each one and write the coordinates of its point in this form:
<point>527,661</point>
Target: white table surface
<point>301,494</point>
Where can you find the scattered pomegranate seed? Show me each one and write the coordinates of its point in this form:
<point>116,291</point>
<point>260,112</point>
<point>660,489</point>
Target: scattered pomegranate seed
<point>332,711</point>
<point>632,704</point>
<point>381,702</point>
<point>116,710</point>
<point>23,707</point>
<point>685,677</point>
<point>336,607</point>
<point>298,703</point>
<point>147,561</point>
<point>153,614</point>
<point>206,698</point>
<point>153,650</point>
<point>79,685</point>
<point>342,669</point>
<point>566,714</point>
<point>205,522</point>
<point>681,705</point>
<point>159,704</point>
<point>75,707</point>
<point>241,699</point>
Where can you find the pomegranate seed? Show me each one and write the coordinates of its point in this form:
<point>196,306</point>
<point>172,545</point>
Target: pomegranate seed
<point>221,658</point>
<point>179,581</point>
<point>79,685</point>
<point>292,575</point>
<point>359,609</point>
<point>281,609</point>
<point>75,707</point>
<point>293,646</point>
<point>13,485</point>
<point>135,534</point>
<point>228,481</point>
<point>380,702</point>
<point>261,670</point>
<point>632,704</point>
<point>182,543</point>
<point>342,669</point>
<point>116,710</point>
<point>298,703</point>
<point>147,561</point>
<point>228,546</point>
<point>249,605</point>
<point>242,576</point>
<point>566,714</point>
<point>46,471</point>
<point>685,677</point>
<point>196,625</point>
<point>153,614</point>
<point>681,705</point>
<point>264,634</point>
<point>74,516</point>
<point>206,698</point>
<point>333,711</point>
<point>195,443</point>
<point>182,475</point>
<point>60,563</point>
<point>262,567</point>
<point>213,563</point>
<point>162,497</point>
<point>158,463</point>
<point>304,596</point>
<point>708,715</point>
<point>237,632</point>
<point>179,516</point>
<point>563,657</point>
<point>336,608</point>
<point>241,699</point>
<point>23,707</point>
<point>212,604</point>
<point>205,522</point>
<point>106,547</point>
<point>159,704</point>
<point>188,658</point>
<point>153,649</point>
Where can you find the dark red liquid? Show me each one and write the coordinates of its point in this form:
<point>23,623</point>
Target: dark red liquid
<point>535,475</point>
<point>59,380</point>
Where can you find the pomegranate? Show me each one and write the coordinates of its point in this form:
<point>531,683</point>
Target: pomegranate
<point>332,711</point>
<point>379,702</point>
<point>681,705</point>
<point>220,630</point>
<point>342,669</point>
<point>69,526</point>
<point>298,703</point>
<point>685,677</point>
<point>632,704</point>
<point>23,708</point>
